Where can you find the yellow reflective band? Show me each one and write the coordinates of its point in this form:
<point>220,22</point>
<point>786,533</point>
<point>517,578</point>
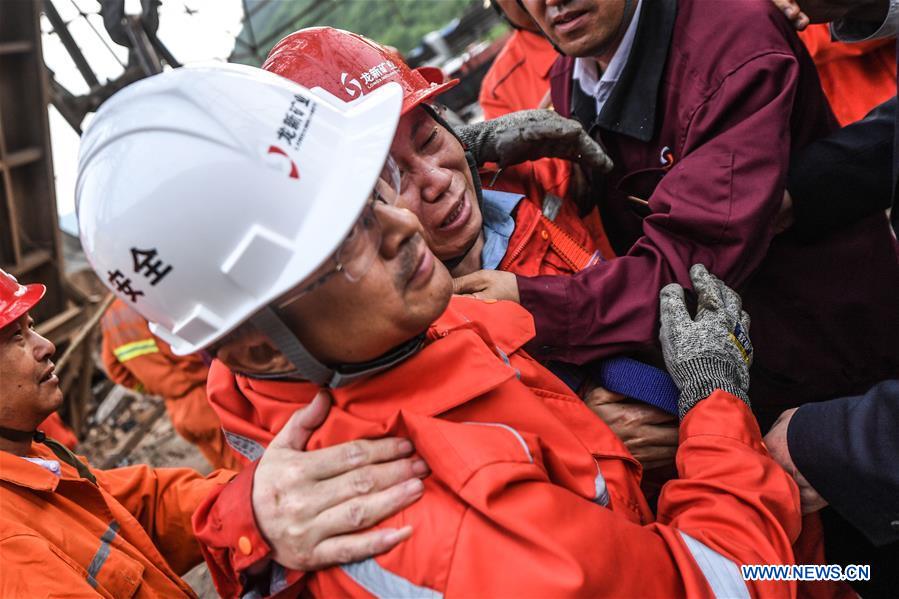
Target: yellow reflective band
<point>135,349</point>
<point>739,347</point>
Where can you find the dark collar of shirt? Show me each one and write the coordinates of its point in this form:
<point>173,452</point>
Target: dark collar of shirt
<point>631,107</point>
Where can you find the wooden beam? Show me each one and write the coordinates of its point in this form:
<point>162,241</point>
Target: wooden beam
<point>19,47</point>
<point>139,432</point>
<point>82,398</point>
<point>12,231</point>
<point>22,157</point>
<point>60,327</point>
<point>30,261</point>
<point>84,333</point>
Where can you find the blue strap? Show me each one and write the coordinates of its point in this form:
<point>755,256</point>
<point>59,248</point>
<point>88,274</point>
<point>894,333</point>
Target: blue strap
<point>637,380</point>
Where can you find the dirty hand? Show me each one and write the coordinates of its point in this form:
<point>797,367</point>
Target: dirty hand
<point>791,10</point>
<point>776,442</point>
<point>309,505</point>
<point>531,134</point>
<point>650,434</point>
<point>488,284</point>
<point>709,352</point>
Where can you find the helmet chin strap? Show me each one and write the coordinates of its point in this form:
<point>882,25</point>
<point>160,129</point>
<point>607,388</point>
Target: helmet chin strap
<point>307,367</point>
<point>15,435</point>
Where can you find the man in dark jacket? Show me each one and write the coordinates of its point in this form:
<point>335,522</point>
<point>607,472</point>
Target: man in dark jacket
<point>701,120</point>
<point>842,452</point>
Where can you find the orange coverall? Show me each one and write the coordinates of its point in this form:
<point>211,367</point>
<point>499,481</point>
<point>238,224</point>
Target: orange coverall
<point>127,536</point>
<point>855,77</point>
<point>136,359</point>
<point>518,79</point>
<point>531,495</point>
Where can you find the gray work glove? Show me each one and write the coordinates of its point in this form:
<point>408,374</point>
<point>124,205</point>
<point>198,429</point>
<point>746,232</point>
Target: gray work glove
<point>709,352</point>
<point>531,134</point>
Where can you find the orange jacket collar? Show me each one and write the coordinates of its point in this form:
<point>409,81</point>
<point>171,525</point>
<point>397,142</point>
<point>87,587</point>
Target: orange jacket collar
<point>469,339</point>
<point>19,471</point>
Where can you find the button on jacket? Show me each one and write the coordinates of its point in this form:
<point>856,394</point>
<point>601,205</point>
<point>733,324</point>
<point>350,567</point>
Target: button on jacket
<point>127,536</point>
<point>530,493</point>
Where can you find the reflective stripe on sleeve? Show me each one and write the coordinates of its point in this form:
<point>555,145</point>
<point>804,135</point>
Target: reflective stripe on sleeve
<point>383,583</point>
<point>102,553</point>
<point>246,447</point>
<point>721,573</point>
<point>135,349</point>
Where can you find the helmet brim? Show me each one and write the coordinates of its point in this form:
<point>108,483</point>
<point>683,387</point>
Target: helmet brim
<point>22,303</point>
<point>436,88</point>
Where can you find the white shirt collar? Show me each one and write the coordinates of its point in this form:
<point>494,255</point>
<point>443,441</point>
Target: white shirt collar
<point>586,70</point>
<point>50,465</point>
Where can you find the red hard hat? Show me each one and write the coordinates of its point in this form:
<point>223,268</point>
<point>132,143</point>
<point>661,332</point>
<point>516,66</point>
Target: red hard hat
<point>15,299</point>
<point>348,66</point>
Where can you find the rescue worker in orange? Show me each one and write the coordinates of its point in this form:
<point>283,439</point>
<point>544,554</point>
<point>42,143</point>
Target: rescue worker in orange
<point>137,359</point>
<point>518,79</point>
<point>503,230</point>
<point>67,529</point>
<point>331,284</point>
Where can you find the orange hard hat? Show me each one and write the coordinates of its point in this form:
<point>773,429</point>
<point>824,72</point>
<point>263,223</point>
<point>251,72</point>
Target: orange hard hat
<point>348,66</point>
<point>16,299</point>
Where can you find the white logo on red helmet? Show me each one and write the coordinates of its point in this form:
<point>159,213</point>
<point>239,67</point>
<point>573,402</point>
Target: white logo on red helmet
<point>352,83</point>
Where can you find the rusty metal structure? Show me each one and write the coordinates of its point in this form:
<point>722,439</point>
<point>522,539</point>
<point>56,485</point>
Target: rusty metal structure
<point>31,245</point>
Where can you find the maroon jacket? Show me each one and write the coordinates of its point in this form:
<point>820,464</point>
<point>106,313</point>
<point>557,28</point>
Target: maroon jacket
<point>701,125</point>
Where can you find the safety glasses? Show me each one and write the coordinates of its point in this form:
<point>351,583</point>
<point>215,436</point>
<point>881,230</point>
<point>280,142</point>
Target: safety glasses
<point>359,248</point>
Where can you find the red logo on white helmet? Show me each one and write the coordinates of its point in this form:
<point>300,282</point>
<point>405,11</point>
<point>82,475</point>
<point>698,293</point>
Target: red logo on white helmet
<point>294,172</point>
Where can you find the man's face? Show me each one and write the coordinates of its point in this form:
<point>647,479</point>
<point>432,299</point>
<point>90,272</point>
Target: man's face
<point>403,291</point>
<point>582,28</point>
<point>436,184</point>
<point>29,390</point>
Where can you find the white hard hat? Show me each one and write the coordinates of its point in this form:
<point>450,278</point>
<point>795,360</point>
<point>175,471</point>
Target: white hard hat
<point>203,194</point>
